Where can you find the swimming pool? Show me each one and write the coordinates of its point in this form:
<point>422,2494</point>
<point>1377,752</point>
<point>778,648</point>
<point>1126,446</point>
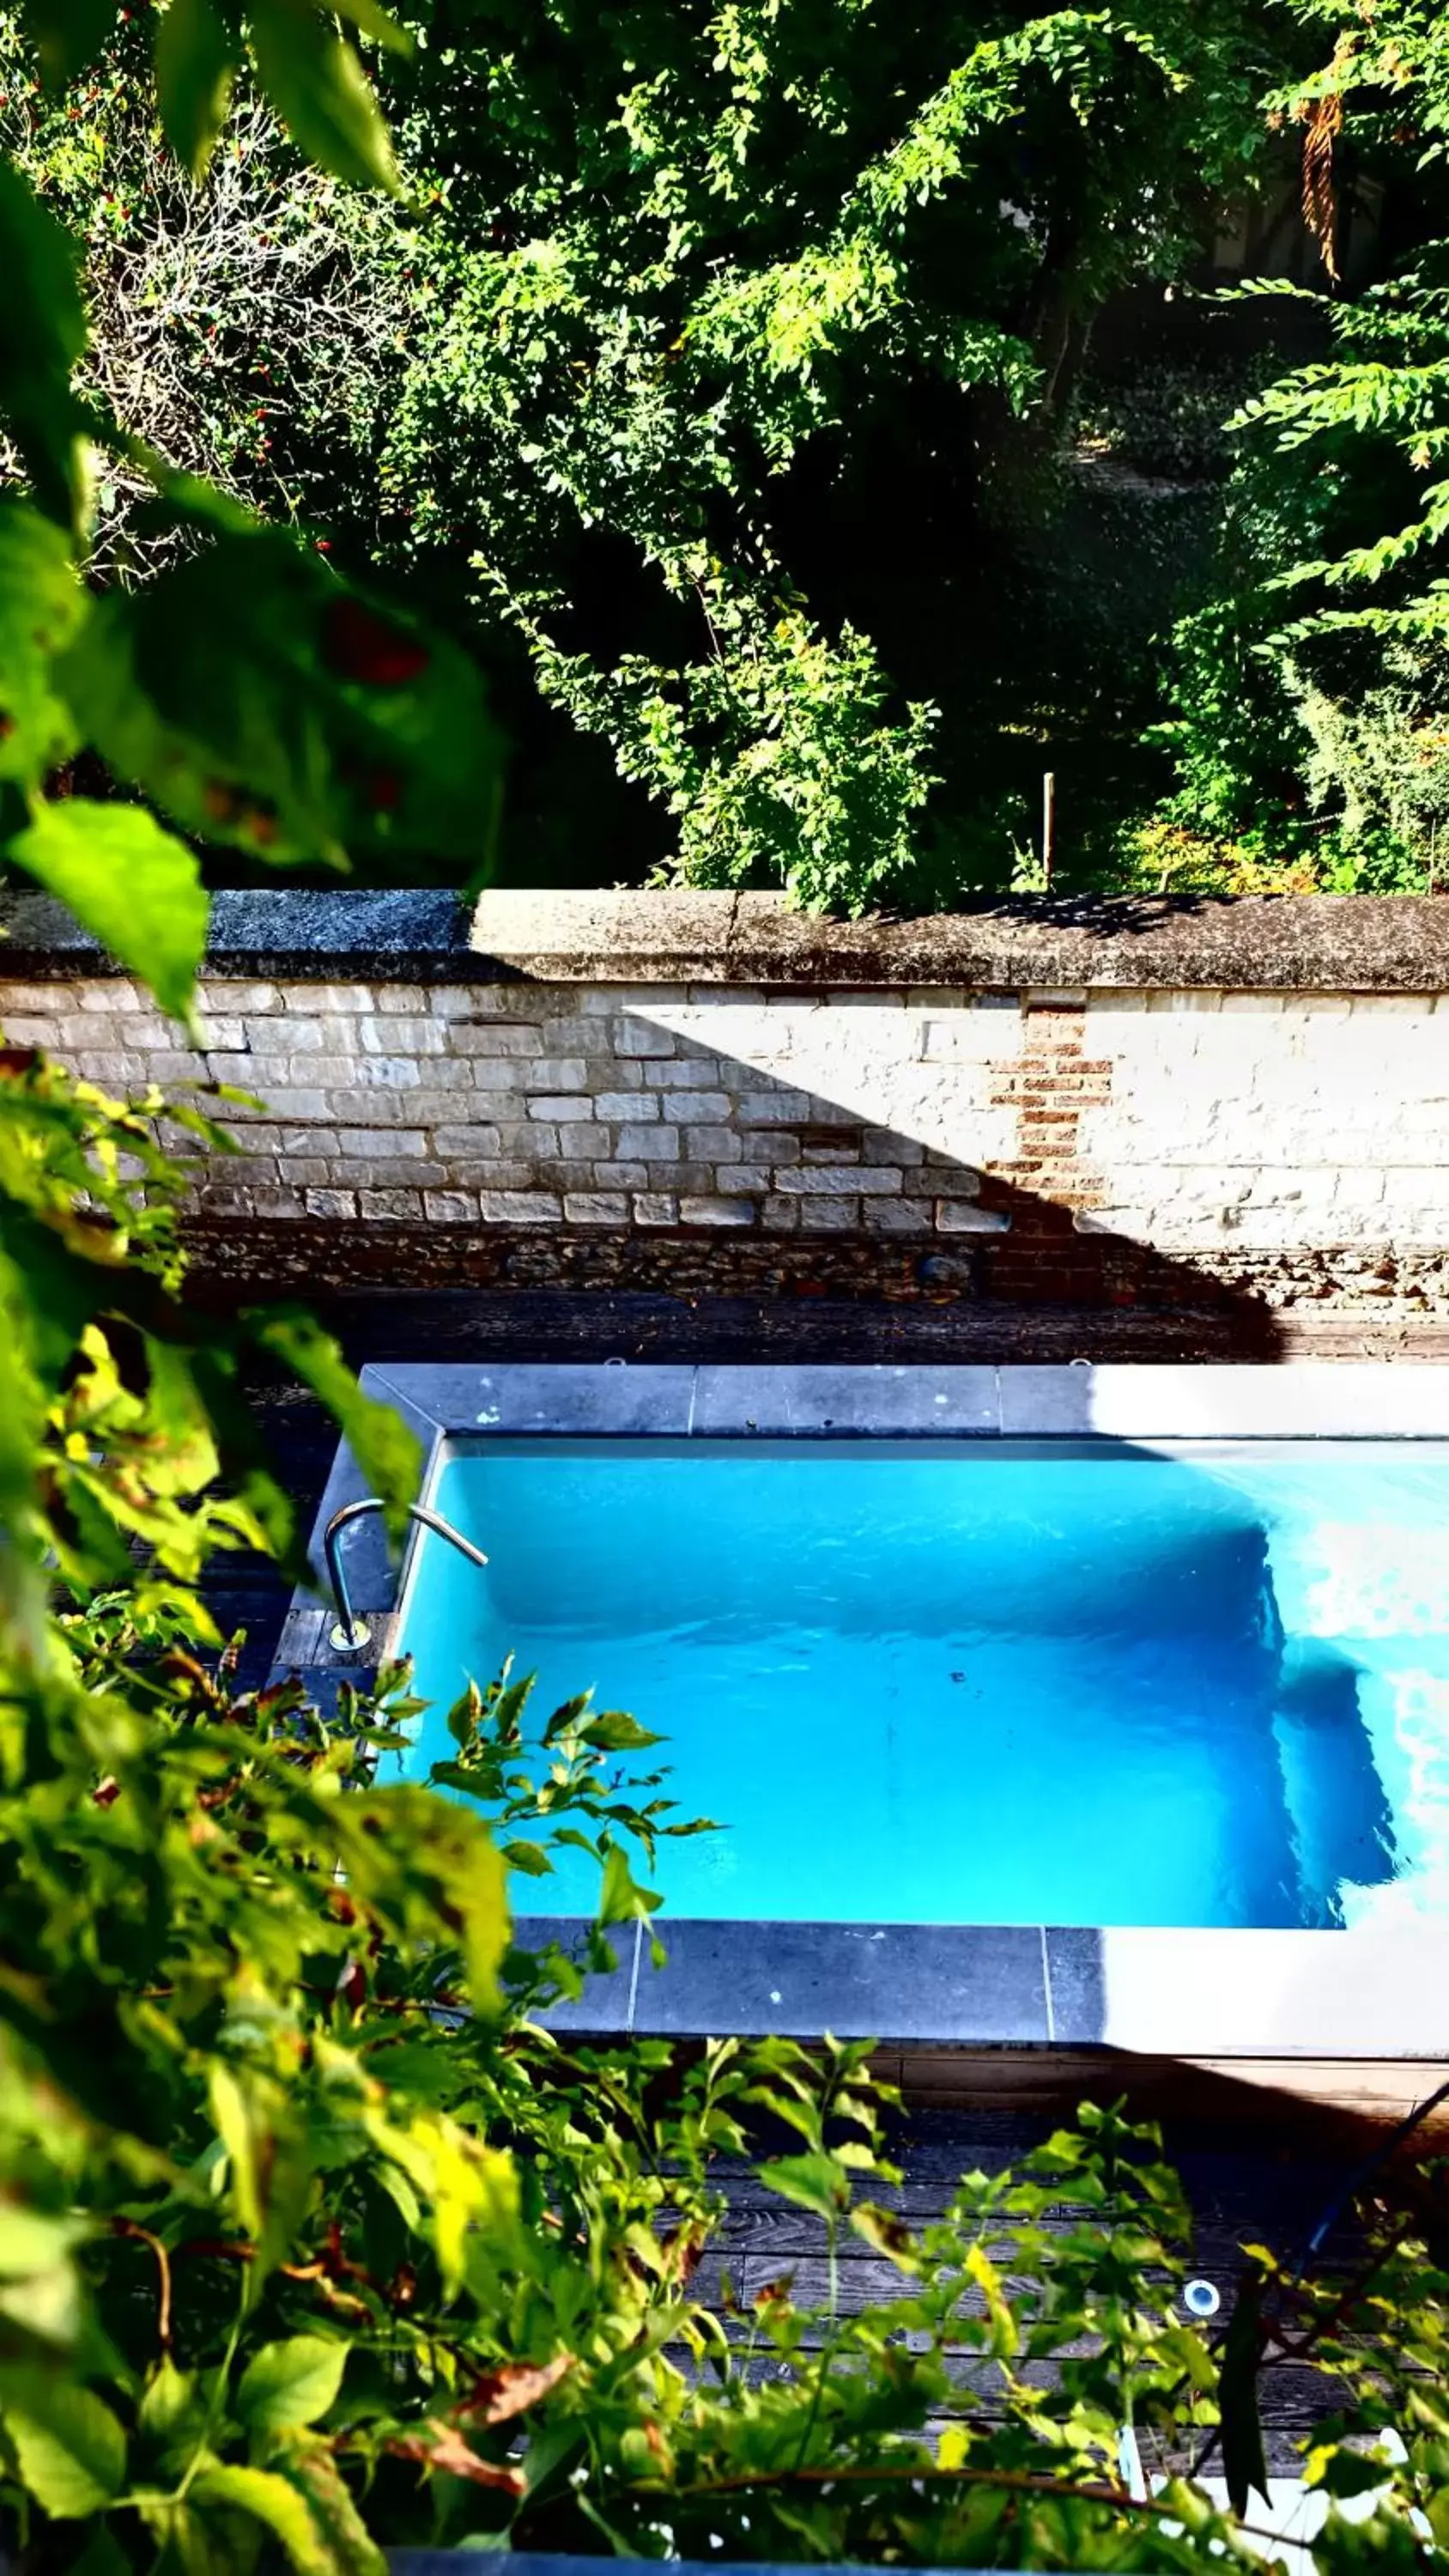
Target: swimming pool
<point>1036,1704</point>
<point>928,1686</point>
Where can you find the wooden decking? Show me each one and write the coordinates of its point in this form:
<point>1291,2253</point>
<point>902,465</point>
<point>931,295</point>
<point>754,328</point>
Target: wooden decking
<point>1263,2188</point>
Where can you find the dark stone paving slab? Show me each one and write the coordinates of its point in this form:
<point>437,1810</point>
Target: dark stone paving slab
<point>890,1981</point>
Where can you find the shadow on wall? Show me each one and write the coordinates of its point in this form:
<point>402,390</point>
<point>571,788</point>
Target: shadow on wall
<point>836,1168</point>
<point>963,1176</point>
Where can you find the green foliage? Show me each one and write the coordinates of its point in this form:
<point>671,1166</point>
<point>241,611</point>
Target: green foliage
<point>268,706</point>
<point>41,337</point>
<point>709,366</point>
<point>195,68</point>
<point>772,755</point>
<point>689,281</point>
<point>1313,687</point>
<point>310,2229</point>
<point>302,2212</point>
<point>313,78</point>
<point>246,330</point>
<point>137,887</point>
<point>255,698</point>
<point>1166,417</point>
<point>123,1405</point>
<point>249,691</point>
<point>313,2236</point>
<point>1380,766</point>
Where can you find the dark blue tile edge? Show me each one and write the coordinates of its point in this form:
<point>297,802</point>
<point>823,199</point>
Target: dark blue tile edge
<point>605,2004</point>
<point>1076,1984</point>
<point>948,1983</point>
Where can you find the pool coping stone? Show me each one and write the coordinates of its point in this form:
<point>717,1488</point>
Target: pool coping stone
<point>1378,1990</point>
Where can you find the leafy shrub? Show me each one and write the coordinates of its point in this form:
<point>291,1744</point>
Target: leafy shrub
<point>733,332</point>
<point>1167,418</point>
<point>248,331</point>
<point>1331,570</point>
<point>312,2237</point>
<point>1380,768</point>
<point>1162,857</point>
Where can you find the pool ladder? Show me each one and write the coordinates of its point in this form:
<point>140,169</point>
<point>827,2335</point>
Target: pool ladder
<point>351,1634</point>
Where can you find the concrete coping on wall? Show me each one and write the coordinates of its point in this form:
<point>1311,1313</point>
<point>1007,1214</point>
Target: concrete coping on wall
<point>1289,943</point>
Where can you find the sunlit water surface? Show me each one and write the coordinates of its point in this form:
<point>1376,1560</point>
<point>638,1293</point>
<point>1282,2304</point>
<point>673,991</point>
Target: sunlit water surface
<point>1064,1683</point>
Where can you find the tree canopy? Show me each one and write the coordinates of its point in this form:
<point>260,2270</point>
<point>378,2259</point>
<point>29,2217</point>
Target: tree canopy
<point>820,422</point>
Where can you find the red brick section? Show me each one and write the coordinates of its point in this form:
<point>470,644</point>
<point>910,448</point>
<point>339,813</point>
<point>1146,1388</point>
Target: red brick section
<point>1045,1185</point>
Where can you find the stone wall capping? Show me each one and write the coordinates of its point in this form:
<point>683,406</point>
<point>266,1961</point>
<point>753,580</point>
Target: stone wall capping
<point>989,950</point>
<point>993,949</point>
<point>335,933</point>
<point>997,947</point>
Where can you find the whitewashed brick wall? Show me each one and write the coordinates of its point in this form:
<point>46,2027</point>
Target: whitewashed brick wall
<point>1191,1121</point>
<point>1267,1120</point>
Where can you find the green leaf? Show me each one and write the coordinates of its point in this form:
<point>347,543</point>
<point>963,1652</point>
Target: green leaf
<point>354,2551</point>
<point>1003,2334</point>
<point>621,1898</point>
<point>273,2501</point>
<point>69,2447</point>
<point>613,1732</point>
<point>167,2399</point>
<point>566,1716</point>
<point>465,1716</point>
<point>32,2240</point>
<point>290,2383</point>
<point>887,2231</point>
<point>245,2143</point>
<point>171,2417</point>
<point>195,66</point>
<point>41,607</point>
<point>314,80</point>
<point>42,334</point>
<point>1191,2354</point>
<point>531,1858</point>
<point>135,886</point>
<point>434,1865</point>
<point>66,33</point>
<point>814,2182</point>
<point>388,1454</point>
<point>263,702</point>
<point>171,2425</point>
<point>1347,2473</point>
<point>269,2153</point>
<point>371,20</point>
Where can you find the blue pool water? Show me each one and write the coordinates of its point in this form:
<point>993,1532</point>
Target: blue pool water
<point>995,1682</point>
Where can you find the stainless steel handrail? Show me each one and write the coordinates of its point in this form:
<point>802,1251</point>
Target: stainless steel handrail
<point>351,1634</point>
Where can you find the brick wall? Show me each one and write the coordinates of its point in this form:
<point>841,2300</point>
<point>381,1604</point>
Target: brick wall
<point>1086,1143</point>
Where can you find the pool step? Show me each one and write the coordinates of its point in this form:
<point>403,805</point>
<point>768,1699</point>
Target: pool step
<point>1341,1823</point>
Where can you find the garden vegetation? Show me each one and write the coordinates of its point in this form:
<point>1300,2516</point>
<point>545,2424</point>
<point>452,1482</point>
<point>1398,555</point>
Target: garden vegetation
<point>314,2237</point>
<point>822,422</point>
